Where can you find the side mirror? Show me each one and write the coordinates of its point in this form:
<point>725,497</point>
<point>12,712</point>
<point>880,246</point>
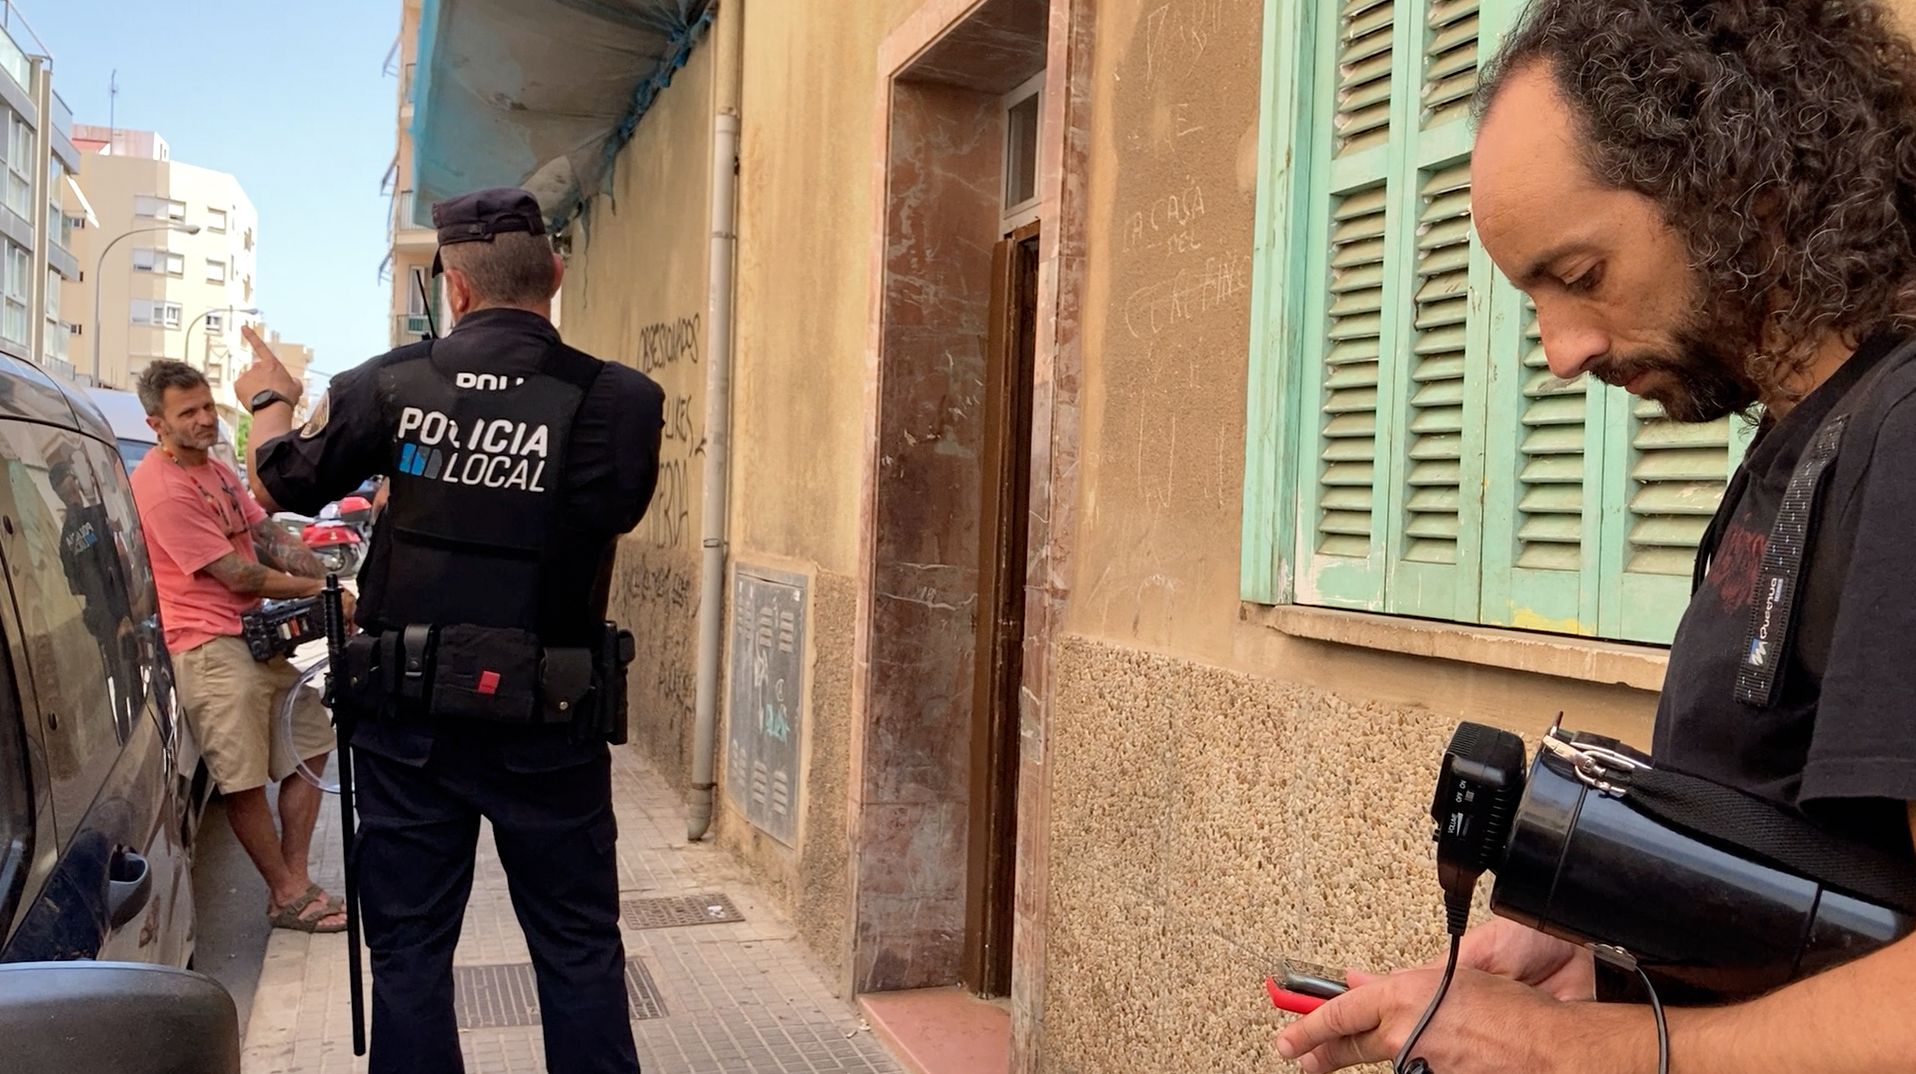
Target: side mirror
<point>129,1018</point>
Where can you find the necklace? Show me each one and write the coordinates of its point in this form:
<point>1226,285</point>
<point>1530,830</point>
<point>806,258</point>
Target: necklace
<point>235,524</point>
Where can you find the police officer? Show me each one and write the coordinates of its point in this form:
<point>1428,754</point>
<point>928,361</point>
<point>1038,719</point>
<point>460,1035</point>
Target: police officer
<point>486,682</point>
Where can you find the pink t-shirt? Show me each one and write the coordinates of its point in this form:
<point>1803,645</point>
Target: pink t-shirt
<point>192,516</point>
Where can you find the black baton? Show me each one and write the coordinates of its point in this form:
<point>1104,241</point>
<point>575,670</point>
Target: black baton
<point>335,607</point>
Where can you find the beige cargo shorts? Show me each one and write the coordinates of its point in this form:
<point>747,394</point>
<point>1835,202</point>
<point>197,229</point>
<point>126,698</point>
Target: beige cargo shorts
<point>232,705</point>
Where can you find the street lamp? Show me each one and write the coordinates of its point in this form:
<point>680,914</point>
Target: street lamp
<point>99,267</point>
<point>188,349</point>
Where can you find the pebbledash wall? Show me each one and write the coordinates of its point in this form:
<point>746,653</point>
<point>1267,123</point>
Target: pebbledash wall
<point>1214,784</point>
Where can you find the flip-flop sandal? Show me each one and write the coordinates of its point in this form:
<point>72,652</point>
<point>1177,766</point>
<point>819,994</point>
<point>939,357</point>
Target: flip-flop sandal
<point>289,916</point>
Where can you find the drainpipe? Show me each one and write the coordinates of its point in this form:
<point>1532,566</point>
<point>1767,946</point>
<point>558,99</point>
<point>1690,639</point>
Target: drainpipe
<point>718,420</point>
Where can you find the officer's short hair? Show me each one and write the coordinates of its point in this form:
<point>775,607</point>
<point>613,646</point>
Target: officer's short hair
<point>514,269</point>
<point>161,374</point>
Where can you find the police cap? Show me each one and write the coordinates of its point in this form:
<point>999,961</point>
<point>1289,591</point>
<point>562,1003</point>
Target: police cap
<point>478,216</point>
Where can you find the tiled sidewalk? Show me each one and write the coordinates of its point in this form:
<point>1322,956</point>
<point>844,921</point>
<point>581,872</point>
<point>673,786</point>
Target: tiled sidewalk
<point>737,998</point>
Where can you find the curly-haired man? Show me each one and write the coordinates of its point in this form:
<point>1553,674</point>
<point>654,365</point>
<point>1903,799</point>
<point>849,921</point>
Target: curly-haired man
<point>1713,207</point>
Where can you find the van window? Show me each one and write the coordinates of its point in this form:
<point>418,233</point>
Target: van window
<point>132,451</point>
<point>69,589</point>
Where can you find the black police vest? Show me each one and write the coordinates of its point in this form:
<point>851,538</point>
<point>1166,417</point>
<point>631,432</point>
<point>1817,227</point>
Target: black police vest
<point>475,500</point>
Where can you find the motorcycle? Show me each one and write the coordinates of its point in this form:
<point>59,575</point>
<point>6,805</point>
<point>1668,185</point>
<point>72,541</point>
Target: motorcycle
<point>357,511</point>
<point>337,544</point>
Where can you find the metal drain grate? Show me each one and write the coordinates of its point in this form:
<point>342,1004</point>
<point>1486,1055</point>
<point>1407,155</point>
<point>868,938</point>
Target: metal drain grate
<point>678,911</point>
<point>497,997</point>
<point>642,993</point>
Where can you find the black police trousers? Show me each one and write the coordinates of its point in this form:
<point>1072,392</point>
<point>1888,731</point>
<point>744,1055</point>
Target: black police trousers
<point>550,807</point>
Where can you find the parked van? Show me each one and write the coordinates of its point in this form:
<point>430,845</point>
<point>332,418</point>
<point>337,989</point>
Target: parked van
<point>97,815</point>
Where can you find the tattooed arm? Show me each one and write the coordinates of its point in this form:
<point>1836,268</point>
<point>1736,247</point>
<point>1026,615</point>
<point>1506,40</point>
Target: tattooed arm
<point>259,580</point>
<point>281,550</point>
<point>285,569</point>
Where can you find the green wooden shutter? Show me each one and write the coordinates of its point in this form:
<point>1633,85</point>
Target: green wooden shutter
<point>1441,469</point>
<point>1285,260</point>
<point>1663,484</point>
<point>1544,510</point>
<point>1349,473</point>
<point>1366,54</point>
<point>1351,244</point>
<point>1450,75</point>
<point>1437,479</point>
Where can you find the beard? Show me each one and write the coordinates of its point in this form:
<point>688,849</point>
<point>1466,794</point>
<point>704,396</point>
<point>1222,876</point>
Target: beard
<point>188,437</point>
<point>1701,371</point>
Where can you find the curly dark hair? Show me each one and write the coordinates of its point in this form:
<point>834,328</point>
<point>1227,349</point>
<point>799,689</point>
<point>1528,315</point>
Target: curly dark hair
<point>1777,136</point>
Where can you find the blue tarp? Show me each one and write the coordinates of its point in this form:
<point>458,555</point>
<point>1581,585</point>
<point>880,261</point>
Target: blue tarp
<point>539,93</point>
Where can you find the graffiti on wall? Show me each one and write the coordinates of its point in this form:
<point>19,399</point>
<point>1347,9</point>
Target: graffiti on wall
<point>668,343</point>
<point>669,353</point>
<point>656,596</point>
<point>1178,34</point>
<point>1183,215</point>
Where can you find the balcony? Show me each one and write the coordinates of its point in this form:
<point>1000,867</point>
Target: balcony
<point>64,150</point>
<point>60,227</point>
<point>410,328</point>
<point>17,43</point>
<point>62,116</point>
<point>402,231</point>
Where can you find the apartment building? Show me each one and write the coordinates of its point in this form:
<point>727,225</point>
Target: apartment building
<point>42,206</point>
<point>171,267</point>
<point>409,235</point>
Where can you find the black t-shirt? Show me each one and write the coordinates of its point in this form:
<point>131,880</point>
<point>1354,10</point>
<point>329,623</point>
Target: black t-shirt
<point>1840,740</point>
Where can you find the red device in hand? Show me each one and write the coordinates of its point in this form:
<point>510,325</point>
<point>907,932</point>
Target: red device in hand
<point>1301,988</point>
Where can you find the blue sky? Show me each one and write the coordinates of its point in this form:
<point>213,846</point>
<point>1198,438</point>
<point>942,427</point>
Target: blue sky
<point>290,97</point>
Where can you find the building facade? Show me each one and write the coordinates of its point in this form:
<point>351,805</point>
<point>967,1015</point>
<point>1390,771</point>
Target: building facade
<point>43,207</point>
<point>171,267</point>
<point>410,238</point>
<point>1127,468</point>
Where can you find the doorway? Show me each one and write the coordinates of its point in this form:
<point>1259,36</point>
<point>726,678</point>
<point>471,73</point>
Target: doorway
<point>1004,504</point>
<point>937,753</point>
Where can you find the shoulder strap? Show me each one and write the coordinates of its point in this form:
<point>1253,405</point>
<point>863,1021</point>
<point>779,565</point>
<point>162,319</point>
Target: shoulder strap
<point>1783,838</point>
<point>1766,640</point>
<point>1779,577</point>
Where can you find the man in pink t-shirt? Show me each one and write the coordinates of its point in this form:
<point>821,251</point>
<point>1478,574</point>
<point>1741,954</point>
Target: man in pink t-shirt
<point>215,555</point>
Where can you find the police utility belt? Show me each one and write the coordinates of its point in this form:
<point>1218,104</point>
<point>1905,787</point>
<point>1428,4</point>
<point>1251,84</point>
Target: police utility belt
<point>491,675</point>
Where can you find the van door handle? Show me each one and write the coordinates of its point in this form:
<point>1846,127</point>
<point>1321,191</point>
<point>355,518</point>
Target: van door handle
<point>129,886</point>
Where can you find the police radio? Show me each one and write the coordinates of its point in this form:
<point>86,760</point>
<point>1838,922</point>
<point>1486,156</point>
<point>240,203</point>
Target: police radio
<point>1711,893</point>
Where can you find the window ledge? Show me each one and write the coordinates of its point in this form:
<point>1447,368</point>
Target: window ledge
<point>1589,660</point>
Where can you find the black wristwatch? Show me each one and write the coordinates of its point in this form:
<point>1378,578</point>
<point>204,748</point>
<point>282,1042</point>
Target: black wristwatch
<point>262,400</point>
